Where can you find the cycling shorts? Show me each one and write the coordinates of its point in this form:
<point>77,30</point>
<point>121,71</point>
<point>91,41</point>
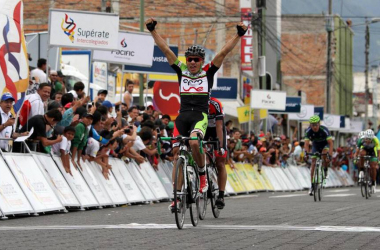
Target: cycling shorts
<point>191,121</point>
<point>319,147</point>
<point>370,150</point>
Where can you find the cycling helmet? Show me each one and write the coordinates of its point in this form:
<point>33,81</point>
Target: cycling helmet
<point>195,50</point>
<point>314,119</point>
<point>369,134</point>
<point>361,134</point>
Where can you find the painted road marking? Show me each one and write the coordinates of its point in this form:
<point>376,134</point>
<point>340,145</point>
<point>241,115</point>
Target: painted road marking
<point>352,229</point>
<point>338,195</point>
<point>287,196</point>
<point>244,196</point>
<point>338,191</point>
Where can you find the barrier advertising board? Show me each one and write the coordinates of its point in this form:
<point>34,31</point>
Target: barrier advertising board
<point>77,184</point>
<point>95,185</point>
<point>151,178</point>
<point>90,30</point>
<point>144,188</point>
<point>63,190</point>
<point>125,180</point>
<point>111,186</point>
<point>233,179</point>
<point>33,182</point>
<point>12,198</point>
<point>133,49</point>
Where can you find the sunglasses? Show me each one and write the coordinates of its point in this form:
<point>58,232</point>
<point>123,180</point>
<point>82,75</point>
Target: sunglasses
<point>195,59</point>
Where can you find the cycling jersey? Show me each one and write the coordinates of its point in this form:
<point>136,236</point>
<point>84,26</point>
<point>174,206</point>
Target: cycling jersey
<point>370,147</point>
<point>195,89</point>
<point>319,137</point>
<point>215,112</point>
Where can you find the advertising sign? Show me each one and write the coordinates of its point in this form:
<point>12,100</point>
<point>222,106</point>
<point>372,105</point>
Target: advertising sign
<point>331,121</point>
<point>133,49</point>
<point>293,105</point>
<point>81,29</point>
<point>151,178</point>
<point>243,114</point>
<point>263,99</point>
<point>246,40</point>
<point>342,121</point>
<point>160,63</point>
<point>99,75</point>
<point>226,89</point>
<point>307,111</point>
<point>319,111</point>
<point>166,98</point>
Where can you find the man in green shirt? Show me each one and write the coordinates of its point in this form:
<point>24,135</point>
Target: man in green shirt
<point>80,138</point>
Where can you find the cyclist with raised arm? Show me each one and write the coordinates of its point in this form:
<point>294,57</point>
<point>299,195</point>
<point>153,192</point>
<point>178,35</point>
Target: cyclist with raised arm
<point>216,130</point>
<point>195,83</point>
<point>368,145</point>
<point>322,142</point>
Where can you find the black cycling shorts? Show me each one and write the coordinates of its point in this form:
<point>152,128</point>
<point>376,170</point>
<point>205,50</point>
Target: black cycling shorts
<point>212,136</point>
<point>191,121</point>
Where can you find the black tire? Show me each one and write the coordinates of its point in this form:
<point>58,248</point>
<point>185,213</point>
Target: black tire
<point>362,187</point>
<point>366,185</point>
<point>320,193</point>
<point>179,207</point>
<point>213,192</point>
<point>316,181</point>
<point>193,197</point>
<point>203,206</point>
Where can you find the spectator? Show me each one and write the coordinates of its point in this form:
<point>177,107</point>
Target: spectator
<point>56,83</point>
<point>62,148</point>
<point>340,159</point>
<point>34,104</point>
<point>229,127</point>
<point>299,151</point>
<point>42,126</point>
<point>150,110</point>
<point>102,94</point>
<point>70,110</point>
<point>57,97</point>
<point>78,91</point>
<point>166,119</point>
<point>7,121</point>
<point>128,98</point>
<point>109,106</point>
<point>133,113</point>
<point>39,72</point>
<point>80,138</point>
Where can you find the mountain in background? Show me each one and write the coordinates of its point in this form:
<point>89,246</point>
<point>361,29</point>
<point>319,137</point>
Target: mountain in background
<point>356,10</point>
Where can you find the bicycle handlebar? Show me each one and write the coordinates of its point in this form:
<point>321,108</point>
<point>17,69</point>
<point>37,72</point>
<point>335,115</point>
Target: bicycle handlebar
<point>216,144</point>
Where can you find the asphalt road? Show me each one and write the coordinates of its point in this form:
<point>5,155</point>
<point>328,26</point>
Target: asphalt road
<point>281,220</point>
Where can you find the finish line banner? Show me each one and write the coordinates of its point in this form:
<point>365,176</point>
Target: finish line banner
<point>90,30</point>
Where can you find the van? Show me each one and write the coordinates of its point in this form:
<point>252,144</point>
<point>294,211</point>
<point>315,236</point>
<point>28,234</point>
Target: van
<point>148,99</point>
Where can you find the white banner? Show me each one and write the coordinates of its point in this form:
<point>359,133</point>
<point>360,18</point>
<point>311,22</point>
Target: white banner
<point>331,121</point>
<point>263,99</point>
<point>33,182</point>
<point>12,199</point>
<point>81,29</point>
<point>133,49</point>
<point>78,185</point>
<point>63,191</point>
<point>153,181</point>
<point>125,180</point>
<point>111,186</point>
<point>143,186</point>
<point>99,76</point>
<point>94,184</point>
<point>164,178</point>
<point>307,111</point>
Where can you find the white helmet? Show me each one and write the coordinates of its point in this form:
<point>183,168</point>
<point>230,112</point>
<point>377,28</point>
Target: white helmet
<point>369,134</point>
<point>361,135</point>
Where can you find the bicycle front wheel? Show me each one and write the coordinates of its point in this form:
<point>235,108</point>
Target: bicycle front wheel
<point>193,197</point>
<point>202,206</point>
<point>180,199</point>
<point>316,183</point>
<point>362,187</point>
<point>213,190</point>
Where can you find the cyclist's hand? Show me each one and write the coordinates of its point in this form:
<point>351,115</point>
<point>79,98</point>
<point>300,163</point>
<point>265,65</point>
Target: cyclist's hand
<point>221,152</point>
<point>151,24</point>
<point>241,29</point>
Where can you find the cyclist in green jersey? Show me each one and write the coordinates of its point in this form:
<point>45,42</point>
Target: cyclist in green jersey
<point>195,82</point>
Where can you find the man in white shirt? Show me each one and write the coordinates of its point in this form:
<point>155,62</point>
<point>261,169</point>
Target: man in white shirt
<point>34,103</point>
<point>7,121</point>
<point>39,73</point>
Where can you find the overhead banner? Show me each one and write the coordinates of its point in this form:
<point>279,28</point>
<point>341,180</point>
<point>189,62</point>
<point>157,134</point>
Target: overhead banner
<point>226,89</point>
<point>331,121</point>
<point>263,99</point>
<point>319,111</point>
<point>293,105</point>
<point>307,111</point>
<point>133,49</point>
<point>80,29</point>
<point>160,64</point>
<point>243,114</point>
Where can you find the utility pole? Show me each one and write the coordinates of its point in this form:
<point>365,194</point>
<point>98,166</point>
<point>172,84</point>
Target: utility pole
<point>262,16</point>
<point>141,76</point>
<point>255,61</point>
<point>366,73</point>
<point>329,66</point>
<point>103,8</point>
<point>374,73</point>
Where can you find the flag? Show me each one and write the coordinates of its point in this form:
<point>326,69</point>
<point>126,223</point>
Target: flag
<point>14,68</point>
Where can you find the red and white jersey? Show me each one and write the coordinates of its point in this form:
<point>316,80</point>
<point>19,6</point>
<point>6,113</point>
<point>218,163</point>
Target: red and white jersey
<point>215,112</point>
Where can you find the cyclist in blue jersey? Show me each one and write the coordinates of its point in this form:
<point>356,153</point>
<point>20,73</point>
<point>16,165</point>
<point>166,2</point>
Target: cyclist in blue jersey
<point>195,82</point>
<point>321,142</point>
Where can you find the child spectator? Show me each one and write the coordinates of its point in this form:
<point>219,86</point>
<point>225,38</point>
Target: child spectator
<point>62,148</point>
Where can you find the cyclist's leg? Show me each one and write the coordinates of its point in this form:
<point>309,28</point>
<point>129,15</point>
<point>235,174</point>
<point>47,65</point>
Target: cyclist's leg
<point>373,172</point>
<point>362,153</point>
<point>325,163</point>
<point>198,127</point>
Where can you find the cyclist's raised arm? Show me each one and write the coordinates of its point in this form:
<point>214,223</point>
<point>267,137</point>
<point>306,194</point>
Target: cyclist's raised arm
<point>150,25</point>
<point>218,60</point>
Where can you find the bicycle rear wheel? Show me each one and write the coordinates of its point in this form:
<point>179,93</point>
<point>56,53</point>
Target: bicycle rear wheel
<point>362,187</point>
<point>366,186</point>
<point>193,197</point>
<point>180,198</point>
<point>316,182</point>
<point>202,206</point>
<point>213,190</point>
